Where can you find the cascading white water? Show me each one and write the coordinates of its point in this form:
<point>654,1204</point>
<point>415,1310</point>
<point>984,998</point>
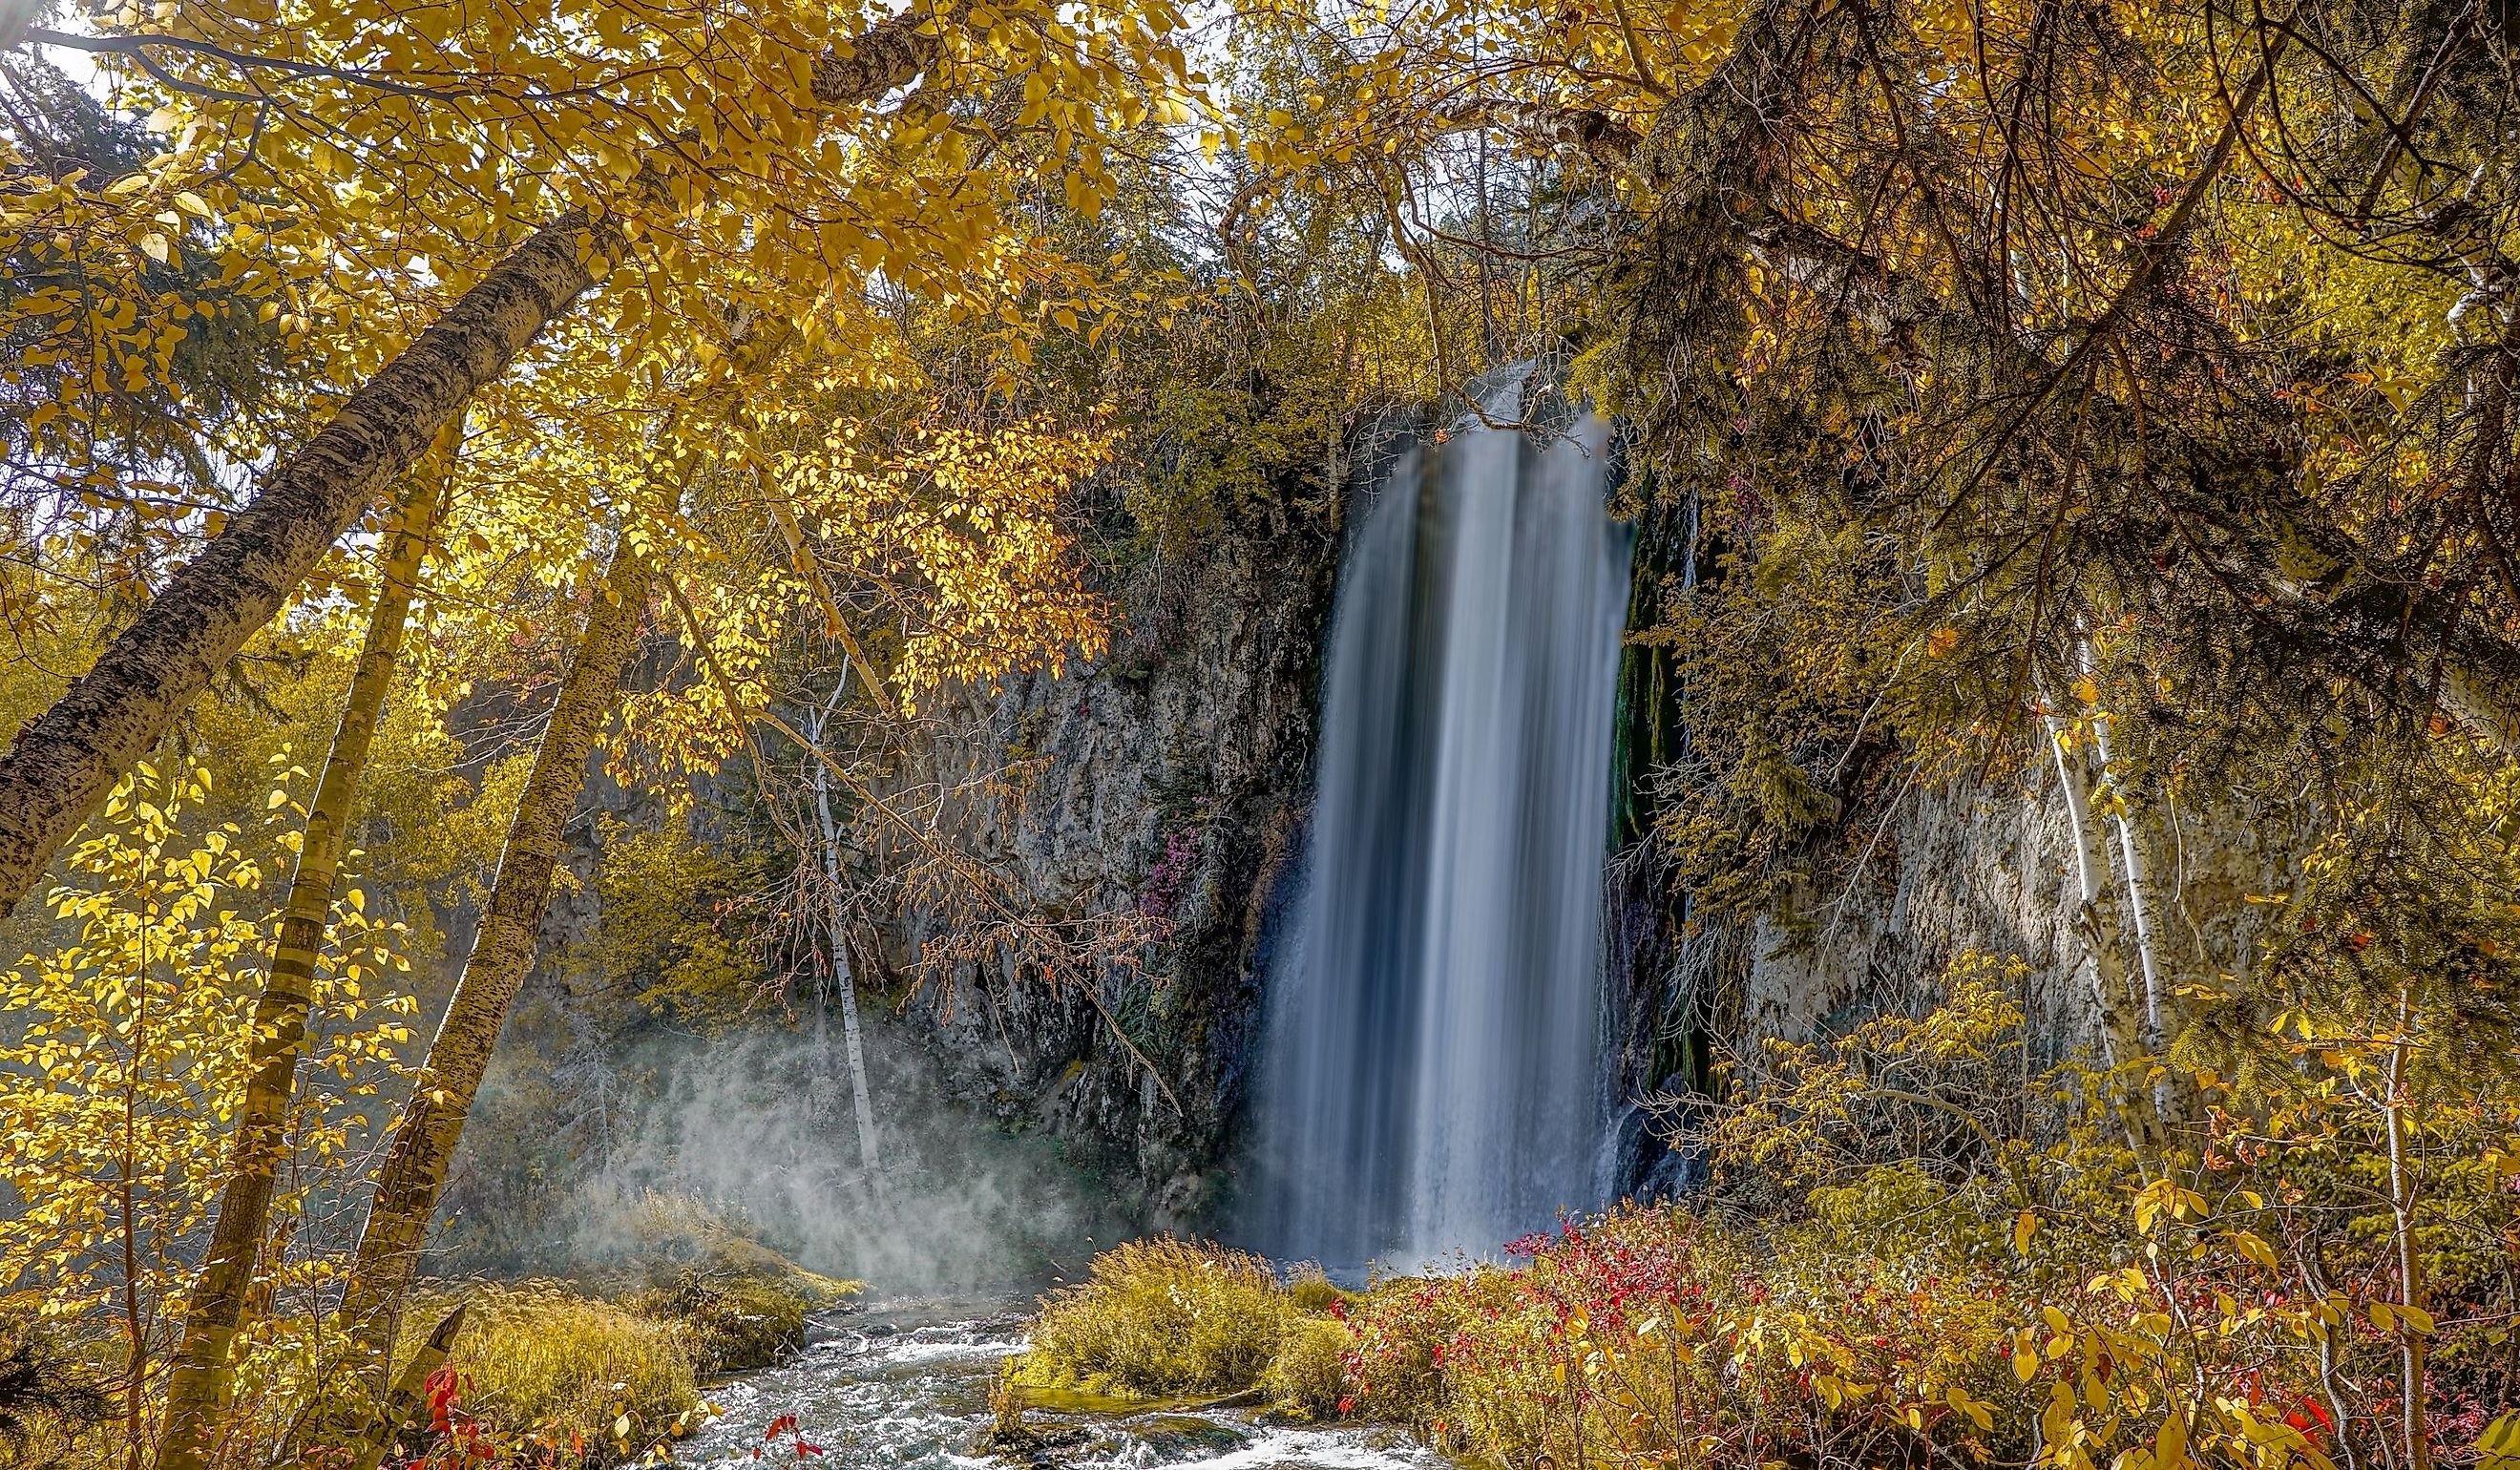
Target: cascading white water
<point>1431,1072</point>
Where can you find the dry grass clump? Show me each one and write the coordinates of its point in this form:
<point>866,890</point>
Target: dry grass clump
<point>536,1360</point>
<point>1169,1319</point>
<point>733,1324</point>
<point>1307,1378</point>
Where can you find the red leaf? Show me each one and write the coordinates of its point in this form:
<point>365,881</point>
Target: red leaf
<point>441,1393</point>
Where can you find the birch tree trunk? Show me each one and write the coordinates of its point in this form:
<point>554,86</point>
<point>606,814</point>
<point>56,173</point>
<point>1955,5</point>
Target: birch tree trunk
<point>197,1392</point>
<point>869,1155</point>
<point>2413,1382</point>
<point>2131,856</point>
<point>60,766</point>
<point>2122,1026</point>
<point>414,1173</point>
<point>2175,1097</point>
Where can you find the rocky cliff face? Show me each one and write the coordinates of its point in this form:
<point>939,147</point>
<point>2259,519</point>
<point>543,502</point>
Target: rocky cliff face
<point>1169,782</point>
<point>1162,785</point>
<point>1985,865</point>
<point>1990,865</point>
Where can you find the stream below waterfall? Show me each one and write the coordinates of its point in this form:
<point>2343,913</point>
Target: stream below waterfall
<point>906,1383</point>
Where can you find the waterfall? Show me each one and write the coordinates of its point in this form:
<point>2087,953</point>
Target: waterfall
<point>1431,1059</point>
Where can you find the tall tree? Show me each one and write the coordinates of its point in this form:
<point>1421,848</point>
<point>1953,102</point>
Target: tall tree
<point>414,1173</point>
<point>60,766</point>
<point>197,1393</point>
<point>842,977</point>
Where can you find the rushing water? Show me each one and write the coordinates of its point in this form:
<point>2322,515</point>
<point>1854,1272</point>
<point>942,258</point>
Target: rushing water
<point>909,1386</point>
<point>1431,1069</point>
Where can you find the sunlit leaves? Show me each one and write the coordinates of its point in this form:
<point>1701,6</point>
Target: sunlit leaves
<point>131,1057</point>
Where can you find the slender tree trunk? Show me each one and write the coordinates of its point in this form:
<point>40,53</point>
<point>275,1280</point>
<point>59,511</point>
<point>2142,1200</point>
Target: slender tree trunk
<point>2121,1008</point>
<point>414,1173</point>
<point>197,1393</point>
<point>2411,1266</point>
<point>2133,860</point>
<point>61,765</point>
<point>2175,1097</point>
<point>135,1400</point>
<point>869,1155</point>
<point>135,1328</point>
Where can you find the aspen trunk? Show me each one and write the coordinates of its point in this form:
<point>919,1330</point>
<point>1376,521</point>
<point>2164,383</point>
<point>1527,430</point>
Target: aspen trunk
<point>61,764</point>
<point>2130,853</point>
<point>2175,1097</point>
<point>2122,1025</point>
<point>414,1173</point>
<point>2412,1342</point>
<point>870,1154</point>
<point>197,1393</point>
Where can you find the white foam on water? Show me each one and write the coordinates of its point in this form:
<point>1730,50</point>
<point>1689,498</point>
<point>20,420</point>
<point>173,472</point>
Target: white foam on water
<point>918,1400</point>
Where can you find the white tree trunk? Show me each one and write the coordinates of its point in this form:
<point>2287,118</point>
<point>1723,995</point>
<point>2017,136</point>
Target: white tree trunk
<point>2122,1020</point>
<point>870,1152</point>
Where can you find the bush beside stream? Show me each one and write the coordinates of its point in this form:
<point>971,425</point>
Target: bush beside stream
<point>595,1370</point>
<point>1172,1319</point>
<point>1865,1284</point>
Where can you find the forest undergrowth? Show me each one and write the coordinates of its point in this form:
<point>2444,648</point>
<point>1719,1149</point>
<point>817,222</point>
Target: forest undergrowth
<point>1894,1270</point>
<point>600,1369</point>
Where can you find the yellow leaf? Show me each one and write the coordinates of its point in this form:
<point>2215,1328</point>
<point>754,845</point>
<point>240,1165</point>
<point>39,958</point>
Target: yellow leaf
<point>2024,1225</point>
<point>153,245</point>
<point>2170,1443</point>
<point>2502,1440</point>
<point>2254,1247</point>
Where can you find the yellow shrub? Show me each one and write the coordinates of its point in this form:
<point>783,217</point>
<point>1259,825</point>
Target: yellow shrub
<point>1307,1377</point>
<point>537,1359</point>
<point>1161,1318</point>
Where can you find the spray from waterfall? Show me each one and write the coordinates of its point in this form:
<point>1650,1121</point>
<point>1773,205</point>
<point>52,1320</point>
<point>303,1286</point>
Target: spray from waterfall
<point>1432,1064</point>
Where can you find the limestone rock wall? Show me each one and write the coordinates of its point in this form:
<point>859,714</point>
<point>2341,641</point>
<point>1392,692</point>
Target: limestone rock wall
<point>1164,784</point>
<point>1990,865</point>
